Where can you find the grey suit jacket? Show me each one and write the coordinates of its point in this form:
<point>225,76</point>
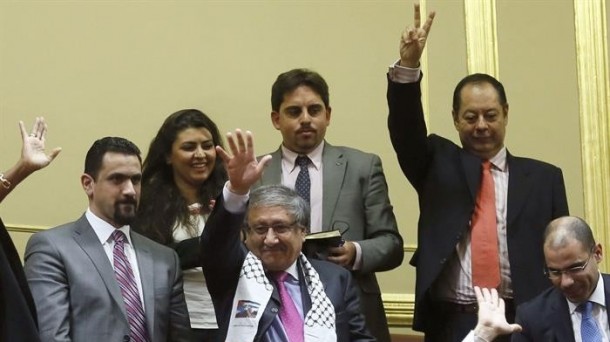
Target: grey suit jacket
<point>77,295</point>
<point>355,200</point>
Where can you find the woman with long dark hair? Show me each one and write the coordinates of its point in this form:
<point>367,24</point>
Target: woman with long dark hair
<point>181,177</point>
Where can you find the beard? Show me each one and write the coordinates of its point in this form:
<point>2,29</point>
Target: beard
<point>125,211</point>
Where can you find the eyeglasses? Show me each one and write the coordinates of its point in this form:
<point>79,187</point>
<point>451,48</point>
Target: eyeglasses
<point>572,271</point>
<point>278,228</point>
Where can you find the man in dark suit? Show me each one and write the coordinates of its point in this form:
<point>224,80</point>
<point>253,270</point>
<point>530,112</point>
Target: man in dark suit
<point>96,280</point>
<point>348,190</point>
<point>17,311</point>
<point>322,295</point>
<point>560,313</point>
<point>526,195</point>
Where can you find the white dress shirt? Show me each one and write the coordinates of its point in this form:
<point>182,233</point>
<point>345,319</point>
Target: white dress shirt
<point>104,230</point>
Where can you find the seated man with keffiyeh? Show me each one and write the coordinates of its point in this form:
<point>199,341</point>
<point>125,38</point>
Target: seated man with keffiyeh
<point>265,289</point>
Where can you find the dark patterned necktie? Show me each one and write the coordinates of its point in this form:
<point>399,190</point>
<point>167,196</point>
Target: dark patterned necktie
<point>303,185</point>
<point>129,289</point>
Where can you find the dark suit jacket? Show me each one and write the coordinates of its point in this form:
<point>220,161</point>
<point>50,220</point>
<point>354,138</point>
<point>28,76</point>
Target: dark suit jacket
<point>446,178</point>
<point>222,257</point>
<point>355,200</point>
<point>18,313</point>
<point>79,299</point>
<point>546,318</point>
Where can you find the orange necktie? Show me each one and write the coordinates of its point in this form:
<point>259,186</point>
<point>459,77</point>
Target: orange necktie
<point>484,235</point>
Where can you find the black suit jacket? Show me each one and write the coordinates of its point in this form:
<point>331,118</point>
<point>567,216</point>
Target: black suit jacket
<point>446,178</point>
<point>222,257</point>
<point>18,313</point>
<point>547,317</point>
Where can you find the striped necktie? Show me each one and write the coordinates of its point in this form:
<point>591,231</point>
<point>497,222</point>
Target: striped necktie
<point>129,289</point>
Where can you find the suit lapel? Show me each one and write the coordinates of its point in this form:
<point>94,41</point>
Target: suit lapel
<point>472,172</point>
<point>273,171</point>
<point>560,322</point>
<point>85,237</point>
<point>334,166</point>
<point>147,274</point>
<point>518,187</point>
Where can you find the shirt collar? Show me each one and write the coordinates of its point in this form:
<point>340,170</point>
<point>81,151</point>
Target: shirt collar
<point>597,296</point>
<point>293,271</point>
<point>499,160</point>
<point>289,157</point>
<point>103,229</point>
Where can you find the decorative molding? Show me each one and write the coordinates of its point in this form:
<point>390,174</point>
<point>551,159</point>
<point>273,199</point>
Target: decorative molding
<point>481,37</point>
<point>594,100</point>
<point>399,309</point>
<point>22,228</point>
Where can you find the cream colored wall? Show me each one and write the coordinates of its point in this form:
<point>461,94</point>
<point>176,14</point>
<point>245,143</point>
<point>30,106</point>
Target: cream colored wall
<point>96,68</point>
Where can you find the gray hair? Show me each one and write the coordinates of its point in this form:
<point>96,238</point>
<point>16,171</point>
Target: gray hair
<point>276,195</point>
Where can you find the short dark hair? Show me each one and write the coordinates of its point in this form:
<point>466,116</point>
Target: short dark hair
<point>95,155</point>
<point>478,79</point>
<point>291,80</point>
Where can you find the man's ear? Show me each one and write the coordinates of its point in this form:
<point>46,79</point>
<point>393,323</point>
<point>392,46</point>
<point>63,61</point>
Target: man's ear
<point>454,115</point>
<point>275,119</point>
<point>87,183</point>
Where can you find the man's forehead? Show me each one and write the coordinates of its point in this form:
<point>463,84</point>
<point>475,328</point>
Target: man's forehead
<point>114,162</point>
<point>267,212</point>
<point>302,88</point>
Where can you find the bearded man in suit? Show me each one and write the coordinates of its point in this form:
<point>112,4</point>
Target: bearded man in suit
<point>96,280</point>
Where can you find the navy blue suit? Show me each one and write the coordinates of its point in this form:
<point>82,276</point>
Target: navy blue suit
<point>446,178</point>
<point>547,317</point>
<point>223,254</point>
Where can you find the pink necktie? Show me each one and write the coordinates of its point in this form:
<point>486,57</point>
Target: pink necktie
<point>289,315</point>
<point>129,289</point>
<point>484,235</point>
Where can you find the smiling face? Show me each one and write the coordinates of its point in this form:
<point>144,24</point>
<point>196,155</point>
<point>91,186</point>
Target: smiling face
<point>277,248</point>
<point>192,157</point>
<point>302,119</point>
<point>481,120</point>
<point>576,286</point>
<point>114,194</point>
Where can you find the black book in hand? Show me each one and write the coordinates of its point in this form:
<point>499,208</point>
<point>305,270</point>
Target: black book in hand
<point>316,245</point>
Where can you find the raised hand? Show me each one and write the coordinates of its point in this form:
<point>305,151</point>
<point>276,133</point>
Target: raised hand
<point>33,155</point>
<point>413,39</point>
<point>492,321</point>
<point>242,167</point>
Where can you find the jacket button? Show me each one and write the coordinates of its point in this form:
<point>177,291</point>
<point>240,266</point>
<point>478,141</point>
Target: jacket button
<point>126,338</point>
<point>443,260</point>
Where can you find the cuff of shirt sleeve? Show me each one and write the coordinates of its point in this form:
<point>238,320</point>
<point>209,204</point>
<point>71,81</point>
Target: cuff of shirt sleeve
<point>400,74</point>
<point>358,260</point>
<point>234,203</point>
